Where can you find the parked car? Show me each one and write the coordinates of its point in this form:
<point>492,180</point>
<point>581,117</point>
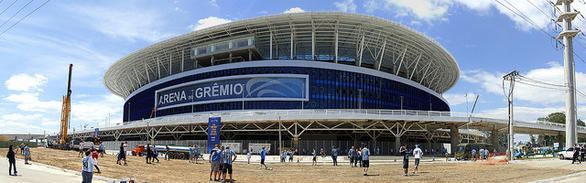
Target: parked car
<point>567,154</point>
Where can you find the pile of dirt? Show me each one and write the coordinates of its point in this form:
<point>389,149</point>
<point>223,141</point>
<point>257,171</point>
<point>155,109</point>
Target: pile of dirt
<point>183,171</point>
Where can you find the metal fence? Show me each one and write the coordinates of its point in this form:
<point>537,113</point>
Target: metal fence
<point>305,147</point>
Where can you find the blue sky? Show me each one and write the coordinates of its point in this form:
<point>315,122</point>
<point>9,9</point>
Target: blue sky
<point>486,39</point>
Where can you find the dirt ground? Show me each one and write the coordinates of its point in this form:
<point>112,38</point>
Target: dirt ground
<point>183,171</point>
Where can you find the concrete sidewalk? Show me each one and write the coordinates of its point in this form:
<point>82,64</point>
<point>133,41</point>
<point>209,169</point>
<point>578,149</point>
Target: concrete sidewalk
<point>38,173</point>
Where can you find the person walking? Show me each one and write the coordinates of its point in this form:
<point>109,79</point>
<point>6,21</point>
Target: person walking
<point>27,155</point>
<point>352,156</point>
<point>473,154</point>
<point>168,150</point>
<point>21,147</point>
<point>87,168</point>
<point>191,154</point>
<point>314,161</point>
<point>582,152</point>
<point>291,155</point>
<point>122,154</point>
<point>11,155</point>
<point>248,155</point>
<point>227,157</point>
<point>335,155</point>
<point>101,149</point>
<point>262,159</point>
<point>95,157</point>
<point>358,157</point>
<point>80,149</point>
<point>403,151</point>
<point>417,154</point>
<point>214,161</point>
<point>365,161</point>
<point>148,154</point>
<point>197,152</point>
<point>576,153</point>
<point>155,154</point>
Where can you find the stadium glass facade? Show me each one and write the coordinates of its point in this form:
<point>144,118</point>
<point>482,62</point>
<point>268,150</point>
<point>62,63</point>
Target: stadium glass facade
<point>328,89</point>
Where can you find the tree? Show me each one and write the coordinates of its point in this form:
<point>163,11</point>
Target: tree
<point>560,117</point>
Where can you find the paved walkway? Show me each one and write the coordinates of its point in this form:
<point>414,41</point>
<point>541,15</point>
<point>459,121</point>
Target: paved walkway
<point>562,164</point>
<point>37,173</point>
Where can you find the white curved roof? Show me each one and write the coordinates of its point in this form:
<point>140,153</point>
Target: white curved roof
<point>344,38</point>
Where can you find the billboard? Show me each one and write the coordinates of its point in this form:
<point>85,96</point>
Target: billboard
<point>255,148</point>
<point>252,87</point>
<point>213,132</point>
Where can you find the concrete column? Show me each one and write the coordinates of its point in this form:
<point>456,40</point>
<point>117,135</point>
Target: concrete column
<point>397,144</point>
<point>429,146</point>
<point>494,140</point>
<point>561,141</point>
<point>455,138</point>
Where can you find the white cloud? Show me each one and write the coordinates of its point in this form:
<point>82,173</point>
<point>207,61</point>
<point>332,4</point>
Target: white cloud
<point>208,22</point>
<point>294,10</point>
<point>421,9</point>
<point>30,102</point>
<point>525,113</point>
<point>130,23</point>
<point>459,98</point>
<point>263,12</point>
<point>214,3</point>
<point>97,109</point>
<point>346,6</point>
<point>25,82</point>
<point>438,9</point>
<point>492,82</point>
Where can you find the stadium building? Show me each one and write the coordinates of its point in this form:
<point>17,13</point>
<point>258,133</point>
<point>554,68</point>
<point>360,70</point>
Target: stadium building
<point>318,79</point>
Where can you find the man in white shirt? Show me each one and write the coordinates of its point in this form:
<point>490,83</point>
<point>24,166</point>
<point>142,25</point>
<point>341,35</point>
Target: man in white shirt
<point>417,153</point>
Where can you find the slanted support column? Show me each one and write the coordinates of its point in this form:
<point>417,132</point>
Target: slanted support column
<point>494,140</point>
<point>455,138</point>
<point>397,144</point>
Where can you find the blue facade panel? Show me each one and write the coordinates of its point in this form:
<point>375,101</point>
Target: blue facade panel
<point>328,89</point>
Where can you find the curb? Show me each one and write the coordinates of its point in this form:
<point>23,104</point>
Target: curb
<point>560,178</point>
<point>70,171</point>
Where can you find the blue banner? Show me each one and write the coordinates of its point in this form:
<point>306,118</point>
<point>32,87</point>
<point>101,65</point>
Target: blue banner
<point>254,87</point>
<point>96,132</point>
<point>213,133</point>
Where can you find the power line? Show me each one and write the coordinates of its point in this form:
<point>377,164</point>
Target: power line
<point>8,7</point>
<point>542,12</point>
<point>24,17</point>
<point>16,13</point>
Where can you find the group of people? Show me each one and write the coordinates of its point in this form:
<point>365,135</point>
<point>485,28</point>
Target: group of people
<point>417,154</point>
<point>194,153</point>
<point>221,159</point>
<point>151,154</point>
<point>481,154</point>
<point>286,153</point>
<point>11,155</point>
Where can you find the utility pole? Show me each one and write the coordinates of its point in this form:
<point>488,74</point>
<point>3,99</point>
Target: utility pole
<point>569,72</point>
<point>510,77</point>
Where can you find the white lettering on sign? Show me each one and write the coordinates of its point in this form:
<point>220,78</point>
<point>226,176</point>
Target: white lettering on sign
<point>178,96</point>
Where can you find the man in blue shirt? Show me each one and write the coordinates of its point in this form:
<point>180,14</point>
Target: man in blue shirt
<point>87,168</point>
<point>365,161</point>
<point>227,157</point>
<point>191,154</point>
<point>262,159</point>
<point>101,149</point>
<point>214,160</point>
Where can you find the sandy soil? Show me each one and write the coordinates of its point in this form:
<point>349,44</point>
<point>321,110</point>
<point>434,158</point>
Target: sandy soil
<point>183,171</point>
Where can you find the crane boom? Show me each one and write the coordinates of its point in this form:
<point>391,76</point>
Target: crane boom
<point>65,110</point>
